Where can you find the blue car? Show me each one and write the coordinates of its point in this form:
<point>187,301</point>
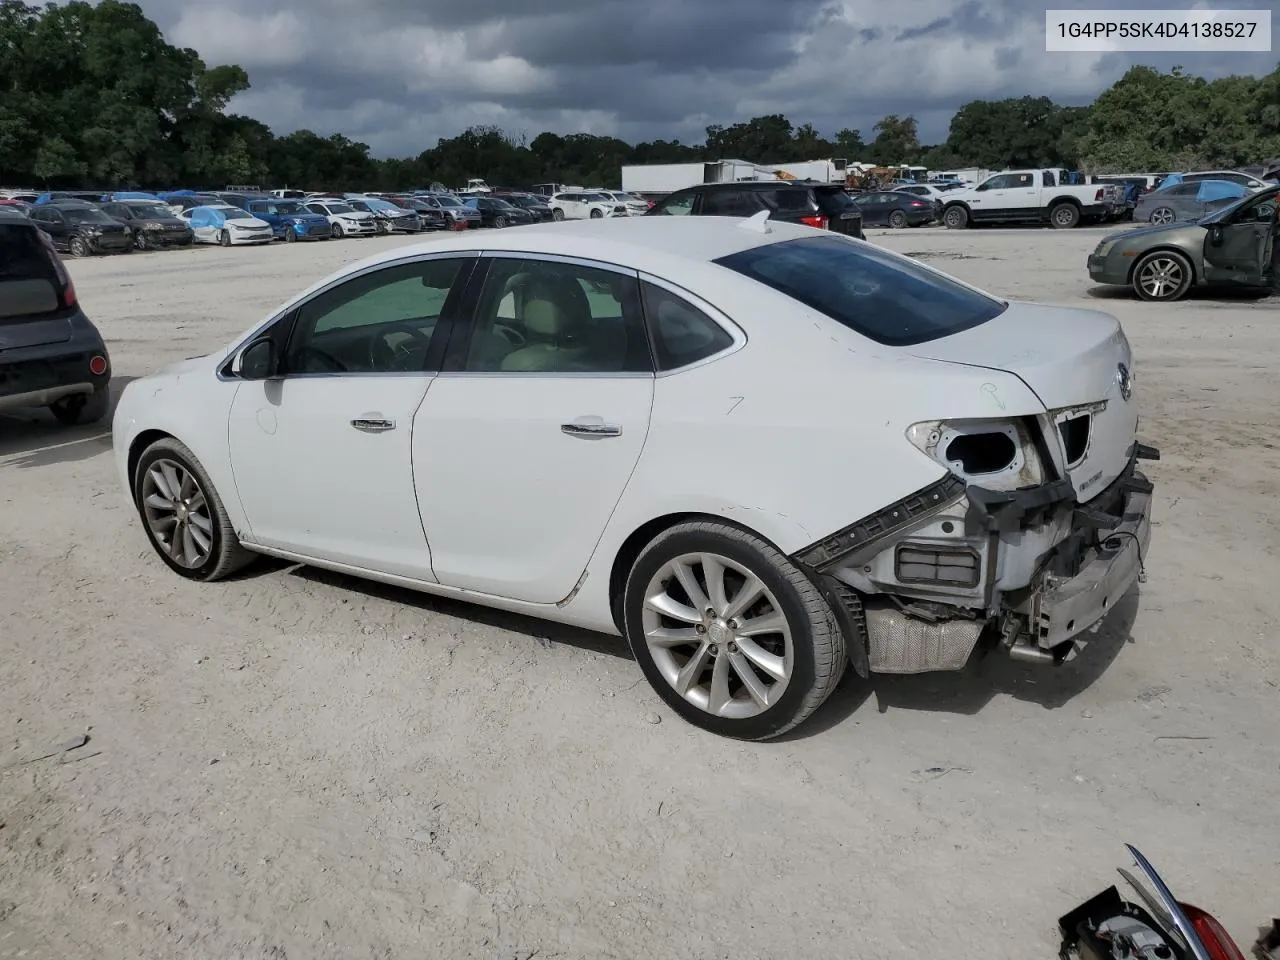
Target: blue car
<point>290,220</point>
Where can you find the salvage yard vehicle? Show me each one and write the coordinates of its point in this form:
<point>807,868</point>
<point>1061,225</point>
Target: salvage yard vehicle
<point>226,225</point>
<point>497,212</point>
<point>81,228</point>
<point>1234,246</point>
<point>51,354</point>
<point>389,217</point>
<point>151,223</point>
<point>344,219</point>
<point>584,205</point>
<point>1186,201</point>
<point>1030,196</point>
<point>290,221</point>
<point>893,209</point>
<point>459,215</point>
<point>823,206</point>
<point>554,421</point>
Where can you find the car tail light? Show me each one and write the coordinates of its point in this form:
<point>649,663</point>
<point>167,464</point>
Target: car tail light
<point>98,365</point>
<point>1217,942</point>
<point>818,221</point>
<point>1098,195</point>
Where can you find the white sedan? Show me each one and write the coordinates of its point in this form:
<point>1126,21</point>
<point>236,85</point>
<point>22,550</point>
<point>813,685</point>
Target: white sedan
<point>582,205</point>
<point>758,451</point>
<point>226,225</point>
<point>344,219</point>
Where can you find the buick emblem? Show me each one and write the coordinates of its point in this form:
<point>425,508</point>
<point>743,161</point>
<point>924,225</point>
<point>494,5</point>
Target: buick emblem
<point>1125,380</point>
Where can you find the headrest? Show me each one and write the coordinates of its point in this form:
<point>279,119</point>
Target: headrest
<point>544,318</point>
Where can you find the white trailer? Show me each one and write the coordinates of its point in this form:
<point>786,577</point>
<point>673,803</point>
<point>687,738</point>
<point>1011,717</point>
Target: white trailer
<point>659,179</point>
<point>823,171</point>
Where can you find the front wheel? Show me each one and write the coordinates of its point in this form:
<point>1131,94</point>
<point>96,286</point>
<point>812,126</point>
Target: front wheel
<point>77,247</point>
<point>729,632</point>
<point>557,215</point>
<point>956,218</point>
<point>597,215</point>
<point>224,238</point>
<point>140,241</point>
<point>183,514</point>
<point>499,222</point>
<point>1162,215</point>
<point>335,232</point>
<point>897,220</point>
<point>290,235</point>
<point>1163,276</point>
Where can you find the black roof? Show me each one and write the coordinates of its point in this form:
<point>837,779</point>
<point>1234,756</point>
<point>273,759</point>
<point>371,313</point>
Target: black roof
<point>13,214</point>
<point>761,185</point>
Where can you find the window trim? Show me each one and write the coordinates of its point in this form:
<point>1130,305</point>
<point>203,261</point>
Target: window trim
<point>289,314</point>
<point>717,316</point>
<point>460,336</point>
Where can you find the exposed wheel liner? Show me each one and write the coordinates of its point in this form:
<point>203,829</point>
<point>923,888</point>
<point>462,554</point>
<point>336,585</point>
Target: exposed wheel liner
<point>820,655</point>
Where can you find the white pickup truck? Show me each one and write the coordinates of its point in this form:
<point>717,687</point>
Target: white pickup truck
<point>1030,196</point>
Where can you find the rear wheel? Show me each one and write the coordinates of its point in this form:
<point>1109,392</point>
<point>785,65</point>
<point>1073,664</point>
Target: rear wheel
<point>956,218</point>
<point>597,214</point>
<point>1064,216</point>
<point>140,240</point>
<point>897,219</point>
<point>1162,276</point>
<point>730,633</point>
<point>81,408</point>
<point>499,222</point>
<point>557,214</point>
<point>183,514</point>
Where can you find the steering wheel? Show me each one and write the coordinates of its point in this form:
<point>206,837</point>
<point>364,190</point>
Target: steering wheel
<point>508,330</point>
<point>403,355</point>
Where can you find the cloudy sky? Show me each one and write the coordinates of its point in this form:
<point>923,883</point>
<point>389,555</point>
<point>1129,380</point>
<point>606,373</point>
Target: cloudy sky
<point>399,74</point>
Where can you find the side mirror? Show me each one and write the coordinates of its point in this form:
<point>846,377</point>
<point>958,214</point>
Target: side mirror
<point>257,361</point>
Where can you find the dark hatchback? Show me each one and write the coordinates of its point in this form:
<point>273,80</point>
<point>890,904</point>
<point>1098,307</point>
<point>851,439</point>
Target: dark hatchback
<point>821,205</point>
<point>51,354</point>
<point>81,228</point>
<point>496,212</point>
<point>151,222</point>
<point>537,207</point>
<point>897,210</point>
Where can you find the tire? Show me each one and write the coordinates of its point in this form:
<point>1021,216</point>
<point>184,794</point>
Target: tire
<point>140,241</point>
<point>335,232</point>
<point>82,408</point>
<point>224,555</point>
<point>1065,216</point>
<point>500,222</point>
<point>1162,215</point>
<point>77,247</point>
<point>224,238</point>
<point>1162,276</point>
<point>597,214</point>
<point>290,235</point>
<point>955,218</point>
<point>557,215</point>
<point>818,655</point>
<point>897,220</point>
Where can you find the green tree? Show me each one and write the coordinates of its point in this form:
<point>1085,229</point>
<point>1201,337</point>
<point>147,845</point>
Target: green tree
<point>897,140</point>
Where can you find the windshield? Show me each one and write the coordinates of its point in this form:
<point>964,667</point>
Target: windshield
<point>86,216</point>
<point>879,294</point>
<point>340,208</point>
<point>449,201</point>
<point>235,213</point>
<point>144,210</point>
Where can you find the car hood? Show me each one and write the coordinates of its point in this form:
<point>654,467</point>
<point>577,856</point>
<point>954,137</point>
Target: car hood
<point>1074,360</point>
<point>355,215</point>
<point>1143,233</point>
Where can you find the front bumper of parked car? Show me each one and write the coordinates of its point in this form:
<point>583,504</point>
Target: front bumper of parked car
<point>1111,264</point>
<point>920,583</point>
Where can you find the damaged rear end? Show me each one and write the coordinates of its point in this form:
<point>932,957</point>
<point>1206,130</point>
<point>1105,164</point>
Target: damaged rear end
<point>1038,524</point>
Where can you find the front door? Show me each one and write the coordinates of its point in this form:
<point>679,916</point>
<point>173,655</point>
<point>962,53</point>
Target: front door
<point>1239,250</point>
<point>526,441</point>
<point>321,453</point>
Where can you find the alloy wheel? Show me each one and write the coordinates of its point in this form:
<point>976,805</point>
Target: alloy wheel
<point>177,513</point>
<point>1161,277</point>
<point>718,635</point>
<point>1162,216</point>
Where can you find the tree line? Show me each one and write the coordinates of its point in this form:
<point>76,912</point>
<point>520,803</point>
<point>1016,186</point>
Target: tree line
<point>93,96</point>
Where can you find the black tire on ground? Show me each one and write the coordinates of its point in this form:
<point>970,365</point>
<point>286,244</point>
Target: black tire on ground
<point>224,238</point>
<point>557,214</point>
<point>597,214</point>
<point>1064,216</point>
<point>77,247</point>
<point>955,217</point>
<point>290,235</point>
<point>226,556</point>
<point>499,222</point>
<point>820,655</point>
<point>897,220</point>
<point>1162,276</point>
<point>82,408</point>
<point>140,240</point>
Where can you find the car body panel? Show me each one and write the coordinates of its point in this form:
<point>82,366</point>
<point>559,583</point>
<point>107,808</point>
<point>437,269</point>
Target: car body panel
<point>209,222</point>
<point>285,216</point>
<point>350,221</point>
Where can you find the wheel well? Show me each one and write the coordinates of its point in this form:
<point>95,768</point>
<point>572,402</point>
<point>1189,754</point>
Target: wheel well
<point>1058,201</point>
<point>140,443</point>
<point>638,540</point>
<point>1182,253</point>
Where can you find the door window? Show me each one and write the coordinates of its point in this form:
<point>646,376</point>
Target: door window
<point>682,334</point>
<point>537,316</point>
<point>380,322</point>
<point>1003,181</point>
<point>679,205</point>
<point>729,203</point>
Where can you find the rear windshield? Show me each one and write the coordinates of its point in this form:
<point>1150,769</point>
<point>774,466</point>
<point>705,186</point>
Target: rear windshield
<point>835,201</point>
<point>887,298</point>
<point>28,282</point>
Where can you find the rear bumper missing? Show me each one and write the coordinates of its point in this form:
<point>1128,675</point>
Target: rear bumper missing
<point>918,584</point>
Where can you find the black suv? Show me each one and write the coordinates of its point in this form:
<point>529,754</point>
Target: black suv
<point>81,228</point>
<point>823,205</point>
<point>151,223</point>
<point>51,354</point>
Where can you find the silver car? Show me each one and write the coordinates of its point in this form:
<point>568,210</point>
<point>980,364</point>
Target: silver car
<point>1186,201</point>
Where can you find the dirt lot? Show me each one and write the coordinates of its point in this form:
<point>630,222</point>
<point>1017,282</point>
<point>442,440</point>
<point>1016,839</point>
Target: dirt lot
<point>298,765</point>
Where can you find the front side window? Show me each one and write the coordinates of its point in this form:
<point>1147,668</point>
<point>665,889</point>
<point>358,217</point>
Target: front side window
<point>678,205</point>
<point>380,322</point>
<point>883,296</point>
<point>538,316</point>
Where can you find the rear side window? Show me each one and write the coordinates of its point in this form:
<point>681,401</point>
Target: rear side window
<point>729,203</point>
<point>28,276</point>
<point>681,333</point>
<point>788,201</point>
<point>880,295</point>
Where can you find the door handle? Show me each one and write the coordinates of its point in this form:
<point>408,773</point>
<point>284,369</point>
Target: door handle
<point>591,431</point>
<point>373,425</point>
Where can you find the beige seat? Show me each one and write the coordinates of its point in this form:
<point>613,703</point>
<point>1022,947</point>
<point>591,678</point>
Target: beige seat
<point>553,344</point>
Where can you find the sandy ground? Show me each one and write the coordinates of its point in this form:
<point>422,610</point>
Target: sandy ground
<point>299,765</point>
